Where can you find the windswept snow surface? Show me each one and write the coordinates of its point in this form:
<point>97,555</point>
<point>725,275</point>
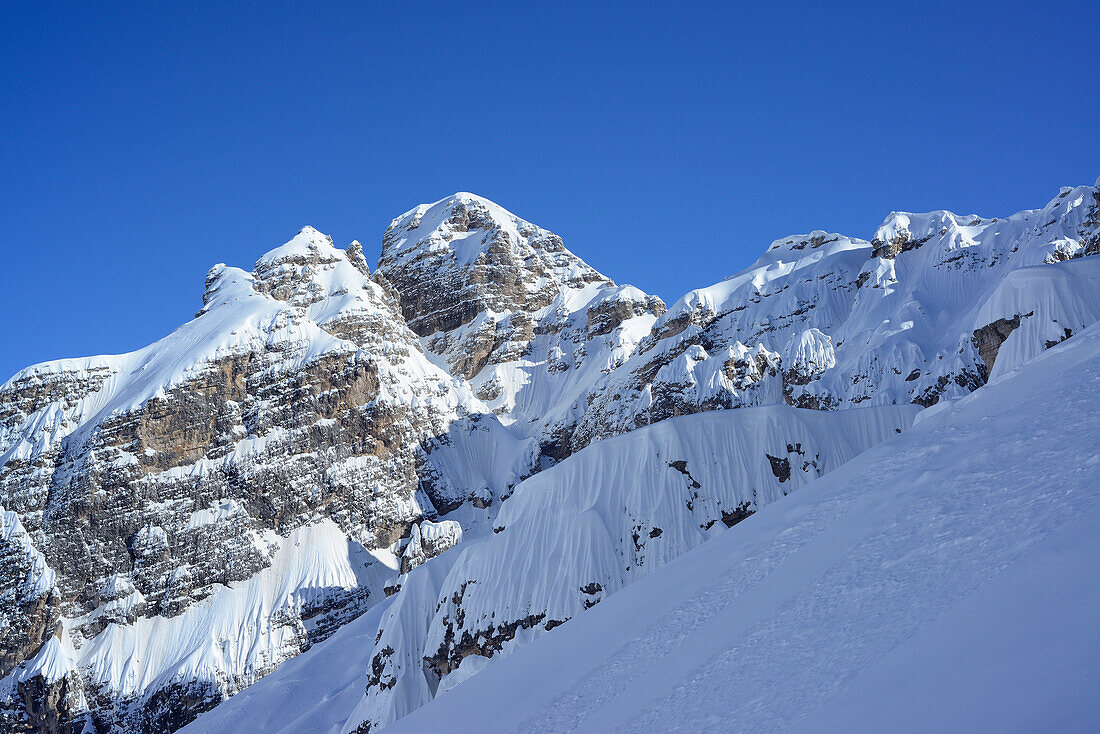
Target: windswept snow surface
<point>601,519</point>
<point>942,581</point>
<point>313,692</point>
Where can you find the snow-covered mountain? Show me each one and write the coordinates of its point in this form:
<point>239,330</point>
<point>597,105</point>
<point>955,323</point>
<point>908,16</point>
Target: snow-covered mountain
<point>827,321</point>
<point>501,302</point>
<point>580,531</point>
<point>435,445</point>
<point>212,504</point>
<point>942,581</point>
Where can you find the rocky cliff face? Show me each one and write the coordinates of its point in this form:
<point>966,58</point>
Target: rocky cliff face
<point>179,520</point>
<point>503,304</point>
<point>153,481</point>
<point>916,315</point>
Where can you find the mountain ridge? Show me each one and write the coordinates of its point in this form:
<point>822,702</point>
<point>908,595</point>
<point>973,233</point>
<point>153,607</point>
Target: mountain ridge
<point>388,416</point>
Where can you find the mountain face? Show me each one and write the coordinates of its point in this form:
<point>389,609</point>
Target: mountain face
<point>936,582</point>
<point>138,486</point>
<point>824,321</point>
<point>582,530</point>
<point>501,303</point>
<point>179,521</point>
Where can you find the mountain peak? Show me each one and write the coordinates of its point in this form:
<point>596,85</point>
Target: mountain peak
<point>464,255</point>
<point>464,223</point>
<point>459,199</point>
<point>309,244</point>
<point>177,521</point>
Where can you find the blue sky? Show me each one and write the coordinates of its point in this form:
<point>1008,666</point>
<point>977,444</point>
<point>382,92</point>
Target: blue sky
<point>667,143</point>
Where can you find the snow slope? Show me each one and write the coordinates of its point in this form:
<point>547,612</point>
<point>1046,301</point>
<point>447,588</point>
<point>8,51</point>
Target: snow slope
<point>606,516</point>
<point>573,534</point>
<point>302,695</point>
<point>941,581</point>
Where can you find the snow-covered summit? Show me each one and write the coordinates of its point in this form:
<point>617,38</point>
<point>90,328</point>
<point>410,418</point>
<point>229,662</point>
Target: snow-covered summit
<point>309,243</point>
<point>460,223</point>
<point>465,255</point>
<point>501,302</point>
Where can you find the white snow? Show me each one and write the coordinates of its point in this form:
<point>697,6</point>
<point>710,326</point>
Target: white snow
<point>40,579</point>
<point>608,515</point>
<point>238,317</point>
<point>573,524</point>
<point>241,632</point>
<point>311,693</point>
<point>941,581</point>
<point>220,512</point>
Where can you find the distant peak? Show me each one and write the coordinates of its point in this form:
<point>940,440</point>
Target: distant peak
<point>807,242</point>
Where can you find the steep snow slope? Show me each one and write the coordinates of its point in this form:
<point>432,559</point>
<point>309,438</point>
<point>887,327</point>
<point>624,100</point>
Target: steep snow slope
<point>601,519</point>
<point>942,581</point>
<point>314,692</point>
<point>575,533</point>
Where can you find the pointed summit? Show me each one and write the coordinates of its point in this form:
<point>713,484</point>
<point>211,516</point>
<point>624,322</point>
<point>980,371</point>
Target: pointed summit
<point>307,269</point>
<point>464,255</point>
<point>505,305</point>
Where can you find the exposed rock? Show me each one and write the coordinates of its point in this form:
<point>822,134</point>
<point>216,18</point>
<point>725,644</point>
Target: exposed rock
<point>989,338</point>
<point>428,540</point>
<point>505,305</point>
<point>480,257</point>
<point>781,467</point>
<point>485,642</point>
<point>150,481</point>
<point>29,601</point>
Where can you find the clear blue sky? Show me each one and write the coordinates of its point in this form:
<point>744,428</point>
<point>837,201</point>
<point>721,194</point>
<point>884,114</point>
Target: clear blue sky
<point>668,144</point>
